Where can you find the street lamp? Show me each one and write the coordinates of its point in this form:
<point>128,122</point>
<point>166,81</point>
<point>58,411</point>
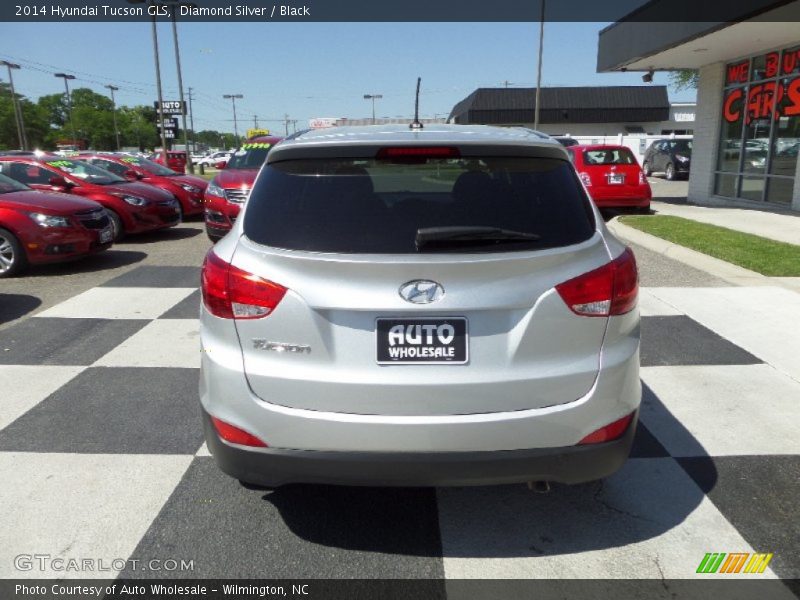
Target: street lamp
<point>113,89</point>
<point>66,79</point>
<point>17,107</point>
<point>373,97</point>
<point>233,98</point>
<point>539,70</point>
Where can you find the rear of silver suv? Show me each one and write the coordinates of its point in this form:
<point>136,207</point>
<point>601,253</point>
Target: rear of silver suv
<point>419,307</point>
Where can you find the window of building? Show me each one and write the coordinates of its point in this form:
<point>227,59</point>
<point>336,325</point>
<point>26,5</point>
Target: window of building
<point>760,134</point>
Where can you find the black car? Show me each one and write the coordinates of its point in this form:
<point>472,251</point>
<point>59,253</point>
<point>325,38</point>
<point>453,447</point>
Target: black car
<point>668,156</point>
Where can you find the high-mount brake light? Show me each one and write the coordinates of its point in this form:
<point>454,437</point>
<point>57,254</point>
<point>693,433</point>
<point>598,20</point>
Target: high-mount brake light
<point>607,291</point>
<point>401,152</point>
<point>232,293</point>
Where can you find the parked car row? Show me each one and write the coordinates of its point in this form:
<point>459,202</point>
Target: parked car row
<point>55,208</point>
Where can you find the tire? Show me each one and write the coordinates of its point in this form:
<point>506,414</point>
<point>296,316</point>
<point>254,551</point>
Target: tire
<point>669,172</point>
<point>214,238</point>
<point>12,257</point>
<point>116,225</point>
<point>643,210</point>
<point>646,169</point>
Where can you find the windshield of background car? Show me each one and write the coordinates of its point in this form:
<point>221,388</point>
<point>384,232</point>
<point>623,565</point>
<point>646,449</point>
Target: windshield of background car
<point>149,166</point>
<point>609,156</point>
<point>681,146</point>
<point>249,156</point>
<point>378,206</point>
<point>85,171</point>
<point>11,185</point>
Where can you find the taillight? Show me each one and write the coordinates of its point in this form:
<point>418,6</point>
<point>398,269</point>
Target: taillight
<point>587,181</point>
<point>231,293</point>
<point>234,435</point>
<point>610,290</point>
<point>610,432</point>
<point>415,152</point>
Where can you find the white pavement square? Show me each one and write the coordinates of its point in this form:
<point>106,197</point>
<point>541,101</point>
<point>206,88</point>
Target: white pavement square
<point>651,306</point>
<point>80,506</point>
<point>161,343</point>
<point>761,320</point>
<point>119,303</point>
<point>649,520</point>
<point>23,387</point>
<point>723,410</point>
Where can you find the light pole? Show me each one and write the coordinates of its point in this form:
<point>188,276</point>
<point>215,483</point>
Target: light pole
<point>17,107</point>
<point>373,97</point>
<point>66,79</point>
<point>113,89</point>
<point>539,72</point>
<point>233,98</point>
<point>180,88</point>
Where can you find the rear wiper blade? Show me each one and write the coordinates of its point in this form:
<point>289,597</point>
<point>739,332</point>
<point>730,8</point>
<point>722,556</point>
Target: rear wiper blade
<point>461,235</point>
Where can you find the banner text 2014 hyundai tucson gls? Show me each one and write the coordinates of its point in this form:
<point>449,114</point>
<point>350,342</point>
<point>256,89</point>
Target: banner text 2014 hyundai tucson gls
<point>440,306</point>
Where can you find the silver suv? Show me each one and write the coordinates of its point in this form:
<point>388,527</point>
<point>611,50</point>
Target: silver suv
<point>440,306</point>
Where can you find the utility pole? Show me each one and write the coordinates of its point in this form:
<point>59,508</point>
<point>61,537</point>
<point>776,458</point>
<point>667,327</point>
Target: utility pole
<point>180,90</point>
<point>191,122</point>
<point>286,122</point>
<point>233,98</point>
<point>539,73</point>
<point>113,89</point>
<point>255,121</point>
<point>66,79</point>
<point>17,108</point>
<point>160,110</point>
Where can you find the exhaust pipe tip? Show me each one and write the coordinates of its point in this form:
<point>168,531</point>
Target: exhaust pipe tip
<point>540,487</point>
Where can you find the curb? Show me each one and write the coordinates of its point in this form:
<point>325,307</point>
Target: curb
<point>713,266</point>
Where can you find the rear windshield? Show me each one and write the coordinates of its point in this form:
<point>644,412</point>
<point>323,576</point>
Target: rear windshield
<point>249,156</point>
<point>377,206</point>
<point>609,156</point>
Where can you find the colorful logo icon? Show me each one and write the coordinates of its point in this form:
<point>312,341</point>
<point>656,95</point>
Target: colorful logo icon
<point>734,562</point>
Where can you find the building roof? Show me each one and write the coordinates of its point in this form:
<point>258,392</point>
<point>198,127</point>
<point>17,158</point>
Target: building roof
<point>606,104</point>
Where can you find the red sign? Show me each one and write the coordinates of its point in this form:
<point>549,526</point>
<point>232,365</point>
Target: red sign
<point>760,101</point>
<point>738,73</point>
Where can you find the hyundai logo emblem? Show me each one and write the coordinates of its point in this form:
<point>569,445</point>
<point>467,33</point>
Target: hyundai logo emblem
<point>421,291</point>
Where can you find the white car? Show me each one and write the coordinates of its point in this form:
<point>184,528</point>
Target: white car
<point>212,159</point>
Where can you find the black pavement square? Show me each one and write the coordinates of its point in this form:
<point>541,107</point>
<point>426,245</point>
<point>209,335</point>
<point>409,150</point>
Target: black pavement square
<point>159,277</point>
<point>645,444</point>
<point>296,531</point>
<point>188,308</point>
<point>114,411</point>
<point>679,340</point>
<point>758,495</point>
<point>54,341</point>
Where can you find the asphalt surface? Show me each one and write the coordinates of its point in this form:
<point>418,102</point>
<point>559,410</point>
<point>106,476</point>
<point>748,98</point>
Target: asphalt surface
<point>102,454</point>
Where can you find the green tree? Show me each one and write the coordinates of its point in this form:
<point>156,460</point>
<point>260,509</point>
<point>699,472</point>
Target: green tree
<point>36,125</point>
<point>685,79</point>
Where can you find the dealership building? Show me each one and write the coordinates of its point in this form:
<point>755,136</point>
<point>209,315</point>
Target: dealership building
<point>587,111</point>
<point>747,125</point>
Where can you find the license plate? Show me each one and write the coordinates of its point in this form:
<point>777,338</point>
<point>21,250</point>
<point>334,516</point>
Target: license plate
<point>435,340</point>
<point>616,179</point>
<point>106,235</point>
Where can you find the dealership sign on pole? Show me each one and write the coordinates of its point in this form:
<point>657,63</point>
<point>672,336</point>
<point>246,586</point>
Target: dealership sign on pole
<point>171,107</point>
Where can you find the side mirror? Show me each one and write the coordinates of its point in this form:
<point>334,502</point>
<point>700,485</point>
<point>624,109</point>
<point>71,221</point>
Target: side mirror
<point>59,182</point>
<point>221,164</point>
<point>132,175</point>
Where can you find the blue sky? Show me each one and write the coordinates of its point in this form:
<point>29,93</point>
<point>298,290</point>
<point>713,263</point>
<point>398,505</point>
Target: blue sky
<point>306,69</point>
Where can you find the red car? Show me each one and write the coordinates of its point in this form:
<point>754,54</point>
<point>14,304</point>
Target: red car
<point>229,190</point>
<point>188,189</point>
<point>132,207</point>
<point>176,160</point>
<point>612,176</point>
<point>38,227</point>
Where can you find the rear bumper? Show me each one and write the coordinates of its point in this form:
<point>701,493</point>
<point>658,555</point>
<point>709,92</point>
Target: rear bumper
<point>275,467</point>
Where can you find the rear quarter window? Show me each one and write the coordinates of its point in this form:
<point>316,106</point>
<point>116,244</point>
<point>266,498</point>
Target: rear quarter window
<point>378,206</point>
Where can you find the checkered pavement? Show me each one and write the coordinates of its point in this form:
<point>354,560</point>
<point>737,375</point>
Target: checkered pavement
<point>101,455</point>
